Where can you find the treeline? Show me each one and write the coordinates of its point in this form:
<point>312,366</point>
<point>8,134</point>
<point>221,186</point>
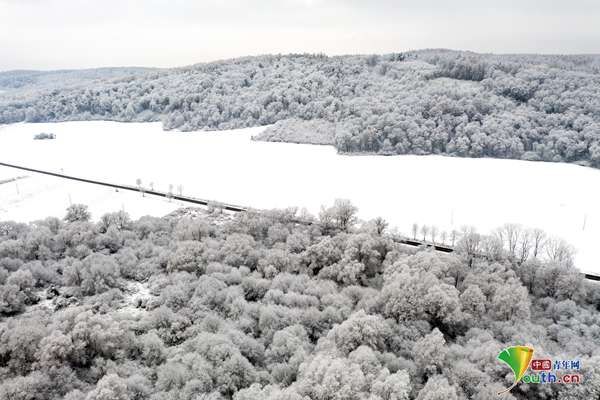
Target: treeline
<point>424,102</point>
<point>258,306</point>
<point>510,242</point>
<point>24,79</point>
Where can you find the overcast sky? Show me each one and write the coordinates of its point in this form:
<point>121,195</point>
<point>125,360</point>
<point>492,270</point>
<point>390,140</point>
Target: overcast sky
<point>50,34</point>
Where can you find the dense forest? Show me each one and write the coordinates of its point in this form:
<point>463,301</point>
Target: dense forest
<point>281,305</point>
<point>527,107</point>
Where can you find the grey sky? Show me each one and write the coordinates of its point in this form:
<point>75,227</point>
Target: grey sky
<point>49,34</point>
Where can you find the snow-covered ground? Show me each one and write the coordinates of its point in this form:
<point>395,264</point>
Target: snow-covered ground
<point>562,199</point>
<point>39,196</point>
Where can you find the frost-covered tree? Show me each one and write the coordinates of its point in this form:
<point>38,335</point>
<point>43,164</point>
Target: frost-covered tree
<point>438,388</point>
<point>77,212</point>
<point>530,107</point>
<point>268,305</point>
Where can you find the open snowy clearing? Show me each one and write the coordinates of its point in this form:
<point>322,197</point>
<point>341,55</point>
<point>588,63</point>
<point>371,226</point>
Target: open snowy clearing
<point>228,166</point>
<point>39,196</point>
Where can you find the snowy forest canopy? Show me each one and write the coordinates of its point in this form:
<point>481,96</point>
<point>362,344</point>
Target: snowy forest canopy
<point>529,107</point>
<point>259,306</point>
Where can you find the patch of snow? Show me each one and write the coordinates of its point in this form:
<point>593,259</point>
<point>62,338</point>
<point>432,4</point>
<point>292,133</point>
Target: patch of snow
<point>228,166</point>
<point>135,297</point>
<point>46,303</point>
<point>217,217</point>
<point>135,291</point>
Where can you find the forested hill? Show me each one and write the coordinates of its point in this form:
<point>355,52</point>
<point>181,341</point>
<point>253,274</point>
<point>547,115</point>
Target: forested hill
<point>259,307</point>
<point>529,107</point>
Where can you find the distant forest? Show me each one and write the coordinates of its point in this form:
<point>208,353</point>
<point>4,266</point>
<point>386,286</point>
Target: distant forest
<point>259,306</point>
<point>529,107</point>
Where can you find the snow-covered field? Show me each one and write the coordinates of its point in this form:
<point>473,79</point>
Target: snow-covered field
<point>39,196</point>
<point>562,199</point>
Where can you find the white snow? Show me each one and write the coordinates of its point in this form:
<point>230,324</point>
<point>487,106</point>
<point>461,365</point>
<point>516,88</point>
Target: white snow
<point>230,167</point>
<point>135,293</point>
<point>39,196</point>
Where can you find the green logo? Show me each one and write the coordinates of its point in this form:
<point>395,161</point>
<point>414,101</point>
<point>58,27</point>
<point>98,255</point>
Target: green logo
<point>518,359</point>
